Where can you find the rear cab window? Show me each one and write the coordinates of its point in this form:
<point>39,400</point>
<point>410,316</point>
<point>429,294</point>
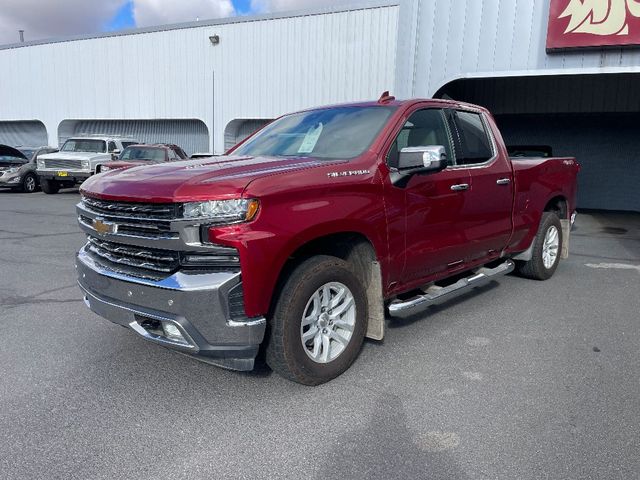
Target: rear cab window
<point>474,144</point>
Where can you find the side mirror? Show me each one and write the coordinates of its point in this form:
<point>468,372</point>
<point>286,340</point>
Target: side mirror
<point>422,159</point>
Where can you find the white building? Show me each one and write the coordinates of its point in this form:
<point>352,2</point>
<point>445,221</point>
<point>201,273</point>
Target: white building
<point>206,85</point>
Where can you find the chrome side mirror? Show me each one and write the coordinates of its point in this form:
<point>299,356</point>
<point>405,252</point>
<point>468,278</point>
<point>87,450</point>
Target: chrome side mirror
<point>422,159</point>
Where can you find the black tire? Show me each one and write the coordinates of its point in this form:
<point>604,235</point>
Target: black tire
<point>29,183</point>
<point>285,353</point>
<point>49,187</point>
<point>535,268</point>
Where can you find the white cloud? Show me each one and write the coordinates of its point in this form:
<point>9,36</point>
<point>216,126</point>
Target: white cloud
<point>161,12</point>
<point>45,19</point>
<point>264,6</point>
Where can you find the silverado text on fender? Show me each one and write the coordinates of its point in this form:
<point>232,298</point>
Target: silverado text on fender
<point>304,235</point>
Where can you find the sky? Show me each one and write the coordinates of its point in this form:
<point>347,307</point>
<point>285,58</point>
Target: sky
<point>42,19</point>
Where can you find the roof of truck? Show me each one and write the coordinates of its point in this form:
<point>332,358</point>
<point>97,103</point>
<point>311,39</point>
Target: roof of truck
<point>393,102</point>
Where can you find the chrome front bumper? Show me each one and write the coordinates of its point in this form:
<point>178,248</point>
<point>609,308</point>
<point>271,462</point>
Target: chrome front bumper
<point>196,303</point>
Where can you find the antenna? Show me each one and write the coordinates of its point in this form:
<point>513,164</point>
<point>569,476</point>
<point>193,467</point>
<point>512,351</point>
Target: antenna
<point>21,33</point>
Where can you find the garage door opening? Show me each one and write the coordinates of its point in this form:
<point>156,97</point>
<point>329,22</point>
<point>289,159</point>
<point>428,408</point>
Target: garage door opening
<point>192,135</point>
<point>592,117</point>
<point>27,133</point>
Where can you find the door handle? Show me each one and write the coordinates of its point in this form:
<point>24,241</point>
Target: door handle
<point>503,181</point>
<point>460,187</point>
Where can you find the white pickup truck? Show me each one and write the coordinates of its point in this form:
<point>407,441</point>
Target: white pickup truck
<point>78,159</point>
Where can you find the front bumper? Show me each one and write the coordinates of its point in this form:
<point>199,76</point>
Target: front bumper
<point>10,180</point>
<point>75,176</point>
<point>196,303</point>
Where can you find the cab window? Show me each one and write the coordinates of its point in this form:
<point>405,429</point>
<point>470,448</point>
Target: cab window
<point>475,144</point>
<point>424,128</point>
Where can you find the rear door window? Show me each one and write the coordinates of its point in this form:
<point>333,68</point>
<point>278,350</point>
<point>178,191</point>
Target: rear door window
<point>474,142</point>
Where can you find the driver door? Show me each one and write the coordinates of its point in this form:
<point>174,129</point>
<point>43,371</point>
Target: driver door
<point>435,207</point>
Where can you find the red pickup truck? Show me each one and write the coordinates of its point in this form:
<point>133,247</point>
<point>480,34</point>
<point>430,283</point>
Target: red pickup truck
<point>307,234</point>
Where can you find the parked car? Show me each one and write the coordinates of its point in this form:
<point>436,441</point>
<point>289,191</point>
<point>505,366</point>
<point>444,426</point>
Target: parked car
<point>306,233</point>
<point>18,167</point>
<point>145,154</point>
<point>78,159</point>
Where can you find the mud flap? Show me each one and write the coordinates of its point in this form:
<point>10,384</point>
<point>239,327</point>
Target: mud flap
<point>375,327</point>
<point>566,233</point>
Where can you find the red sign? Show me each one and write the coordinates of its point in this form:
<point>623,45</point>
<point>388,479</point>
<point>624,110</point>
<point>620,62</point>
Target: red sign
<point>593,23</point>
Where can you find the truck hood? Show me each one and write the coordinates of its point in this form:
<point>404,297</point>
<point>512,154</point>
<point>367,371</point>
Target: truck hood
<point>190,180</point>
<point>74,156</point>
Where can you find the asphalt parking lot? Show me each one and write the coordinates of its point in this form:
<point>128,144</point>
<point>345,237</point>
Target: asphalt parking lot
<point>518,380</point>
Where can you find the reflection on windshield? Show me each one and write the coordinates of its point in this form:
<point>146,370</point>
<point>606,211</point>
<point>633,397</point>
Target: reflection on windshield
<point>85,145</point>
<point>27,153</point>
<point>331,133</point>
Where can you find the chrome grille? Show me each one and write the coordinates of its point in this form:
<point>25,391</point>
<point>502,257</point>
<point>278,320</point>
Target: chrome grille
<point>161,211</point>
<point>143,259</point>
<point>70,164</point>
<point>139,228</point>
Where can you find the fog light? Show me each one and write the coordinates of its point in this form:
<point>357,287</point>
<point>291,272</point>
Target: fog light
<point>172,332</point>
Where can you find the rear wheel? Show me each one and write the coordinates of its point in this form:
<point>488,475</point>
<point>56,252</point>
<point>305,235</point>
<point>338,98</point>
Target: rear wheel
<point>319,322</point>
<point>29,183</point>
<point>49,186</point>
<point>547,246</point>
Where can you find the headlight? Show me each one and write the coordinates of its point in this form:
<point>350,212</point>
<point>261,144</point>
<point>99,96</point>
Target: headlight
<point>40,163</point>
<point>85,163</point>
<point>12,170</point>
<point>223,211</point>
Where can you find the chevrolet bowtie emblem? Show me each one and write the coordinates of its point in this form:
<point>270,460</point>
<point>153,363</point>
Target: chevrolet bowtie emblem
<point>103,227</point>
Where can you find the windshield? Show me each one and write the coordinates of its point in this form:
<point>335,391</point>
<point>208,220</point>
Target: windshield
<point>28,152</point>
<point>84,145</point>
<point>143,153</point>
<point>332,133</point>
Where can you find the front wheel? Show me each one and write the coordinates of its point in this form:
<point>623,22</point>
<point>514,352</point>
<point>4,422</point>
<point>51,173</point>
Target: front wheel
<point>49,186</point>
<point>547,246</point>
<point>29,183</point>
<point>319,322</point>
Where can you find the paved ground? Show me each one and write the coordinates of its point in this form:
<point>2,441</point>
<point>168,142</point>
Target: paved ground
<point>521,380</point>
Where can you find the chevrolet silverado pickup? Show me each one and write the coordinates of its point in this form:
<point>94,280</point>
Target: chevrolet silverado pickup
<point>306,235</point>
<point>78,159</point>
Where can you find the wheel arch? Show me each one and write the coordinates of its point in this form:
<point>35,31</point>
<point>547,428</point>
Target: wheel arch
<point>558,205</point>
<point>356,248</point>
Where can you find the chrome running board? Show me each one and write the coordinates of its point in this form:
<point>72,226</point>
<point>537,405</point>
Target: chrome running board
<point>436,294</point>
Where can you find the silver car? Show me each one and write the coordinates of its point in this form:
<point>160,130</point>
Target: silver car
<point>18,167</point>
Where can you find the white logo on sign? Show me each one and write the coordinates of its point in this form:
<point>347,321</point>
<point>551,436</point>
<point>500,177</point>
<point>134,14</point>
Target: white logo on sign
<point>600,17</point>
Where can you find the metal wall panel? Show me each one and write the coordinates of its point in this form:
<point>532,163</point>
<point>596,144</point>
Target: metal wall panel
<point>191,135</point>
<point>606,145</point>
<point>487,38</point>
<point>23,134</point>
<point>261,68</point>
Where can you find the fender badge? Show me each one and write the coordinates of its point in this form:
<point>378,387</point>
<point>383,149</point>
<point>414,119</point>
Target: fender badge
<point>348,173</point>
